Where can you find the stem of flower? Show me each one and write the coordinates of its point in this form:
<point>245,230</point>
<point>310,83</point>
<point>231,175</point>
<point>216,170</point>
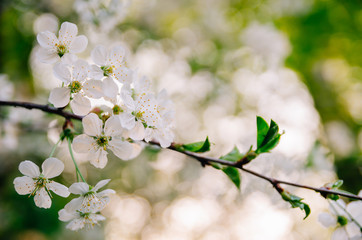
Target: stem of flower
<point>349,215</point>
<point>54,147</point>
<point>75,163</point>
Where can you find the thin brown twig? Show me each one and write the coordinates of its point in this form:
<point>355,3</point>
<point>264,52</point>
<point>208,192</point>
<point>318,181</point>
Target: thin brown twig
<point>204,160</point>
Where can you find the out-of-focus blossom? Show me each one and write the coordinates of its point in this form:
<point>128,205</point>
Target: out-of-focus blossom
<point>38,184</point>
<point>7,88</point>
<point>79,220</point>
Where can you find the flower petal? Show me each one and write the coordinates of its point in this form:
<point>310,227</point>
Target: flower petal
<point>92,125</point>
<point>137,148</point>
<point>327,220</point>
<point>128,121</point>
<point>74,205</point>
<point>47,40</point>
<point>99,55</point>
<point>66,216</point>
<point>62,72</point>
<point>52,167</point>
<point>42,198</point>
<point>76,224</point>
<point>340,234</point>
<point>49,56</point>
<point>24,185</point>
<point>99,159</point>
<point>138,132</point>
<point>30,169</point>
<point>93,89</point>
<point>121,149</point>
<point>68,31</point>
<point>79,188</point>
<point>59,97</point>
<point>123,75</point>
<point>106,192</point>
<point>83,144</point>
<point>58,189</point>
<point>95,72</point>
<point>113,127</point>
<point>116,56</point>
<point>79,44</point>
<point>110,88</point>
<point>80,105</point>
<point>101,184</point>
<point>80,70</point>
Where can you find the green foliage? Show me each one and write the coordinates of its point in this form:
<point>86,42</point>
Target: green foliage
<point>296,201</point>
<point>267,136</point>
<point>233,156</point>
<point>198,147</point>
<point>334,186</point>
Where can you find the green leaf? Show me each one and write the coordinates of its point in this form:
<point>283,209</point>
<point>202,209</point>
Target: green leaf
<point>262,127</point>
<point>296,201</point>
<point>233,156</point>
<point>197,146</point>
<point>271,138</point>
<point>233,174</point>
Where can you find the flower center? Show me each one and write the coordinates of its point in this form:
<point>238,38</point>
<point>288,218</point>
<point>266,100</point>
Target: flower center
<point>117,110</point>
<point>62,50</point>
<point>107,70</point>
<point>75,87</point>
<point>102,141</point>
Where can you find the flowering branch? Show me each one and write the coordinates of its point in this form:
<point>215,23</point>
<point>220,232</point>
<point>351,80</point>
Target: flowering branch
<point>204,160</point>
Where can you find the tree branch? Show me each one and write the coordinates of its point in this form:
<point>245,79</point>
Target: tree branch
<point>204,160</point>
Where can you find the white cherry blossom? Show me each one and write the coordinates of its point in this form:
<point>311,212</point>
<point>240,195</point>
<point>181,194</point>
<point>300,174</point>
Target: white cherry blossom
<point>76,87</point>
<point>53,48</point>
<point>90,200</point>
<point>97,139</point>
<point>79,220</point>
<point>110,63</point>
<point>38,184</point>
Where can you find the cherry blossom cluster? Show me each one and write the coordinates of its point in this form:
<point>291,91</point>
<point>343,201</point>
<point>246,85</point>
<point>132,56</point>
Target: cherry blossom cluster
<point>128,114</point>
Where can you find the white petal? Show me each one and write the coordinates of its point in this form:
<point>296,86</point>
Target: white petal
<point>137,148</point>
<point>66,216</point>
<point>80,70</point>
<point>99,55</point>
<point>113,127</point>
<point>123,75</point>
<point>42,199</point>
<point>327,220</point>
<point>79,44</point>
<point>126,95</point>
<point>83,144</point>
<point>106,192</point>
<point>58,189</point>
<point>110,88</point>
<point>68,31</point>
<point>97,217</point>
<point>79,188</point>
<point>52,167</point>
<point>339,234</point>
<point>99,159</point>
<point>76,224</point>
<point>62,72</point>
<point>121,149</point>
<point>69,59</point>
<point>352,229</point>
<point>138,132</point>
<point>47,55</point>
<point>74,205</point>
<point>116,57</point>
<point>24,185</point>
<point>93,89</point>
<point>101,184</point>
<point>30,169</point>
<point>47,40</point>
<point>92,125</point>
<point>80,105</point>
<point>128,121</point>
<point>59,97</point>
<point>95,72</point>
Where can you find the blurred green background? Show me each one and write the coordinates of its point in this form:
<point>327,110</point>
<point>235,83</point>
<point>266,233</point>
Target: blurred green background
<point>223,63</point>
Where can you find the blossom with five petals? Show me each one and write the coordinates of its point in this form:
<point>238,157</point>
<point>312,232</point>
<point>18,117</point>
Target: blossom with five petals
<point>79,220</point>
<point>38,184</point>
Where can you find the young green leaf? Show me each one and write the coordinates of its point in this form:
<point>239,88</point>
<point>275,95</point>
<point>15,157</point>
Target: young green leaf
<point>337,184</point>
<point>233,174</point>
<point>262,127</point>
<point>197,146</point>
<point>267,137</point>
<point>233,156</point>
<point>296,201</point>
